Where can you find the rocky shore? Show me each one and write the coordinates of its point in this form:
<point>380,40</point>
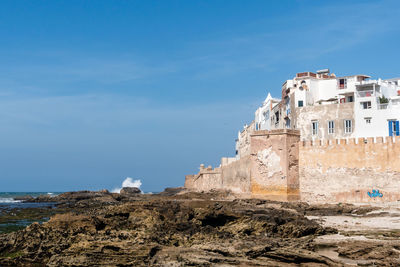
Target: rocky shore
<point>179,228</point>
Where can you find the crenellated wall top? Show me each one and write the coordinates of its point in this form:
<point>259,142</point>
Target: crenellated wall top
<point>351,141</point>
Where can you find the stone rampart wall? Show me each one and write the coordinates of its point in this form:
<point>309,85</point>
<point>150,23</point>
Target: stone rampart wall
<point>269,171</point>
<point>205,180</point>
<point>349,170</point>
<point>236,176</point>
<point>274,164</point>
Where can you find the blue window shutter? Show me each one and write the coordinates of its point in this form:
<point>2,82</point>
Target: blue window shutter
<point>397,128</point>
<point>390,128</point>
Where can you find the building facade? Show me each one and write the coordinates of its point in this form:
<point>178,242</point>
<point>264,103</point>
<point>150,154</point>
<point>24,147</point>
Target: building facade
<point>323,106</point>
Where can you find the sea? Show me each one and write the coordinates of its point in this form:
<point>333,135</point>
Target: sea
<point>8,198</point>
<point>8,204</point>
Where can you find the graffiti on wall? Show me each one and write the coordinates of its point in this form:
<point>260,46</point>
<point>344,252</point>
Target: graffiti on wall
<point>375,193</point>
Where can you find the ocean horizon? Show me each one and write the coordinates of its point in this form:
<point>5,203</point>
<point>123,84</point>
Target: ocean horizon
<point>9,197</point>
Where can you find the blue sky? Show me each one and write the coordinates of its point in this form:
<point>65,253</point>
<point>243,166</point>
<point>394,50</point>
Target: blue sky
<point>92,92</point>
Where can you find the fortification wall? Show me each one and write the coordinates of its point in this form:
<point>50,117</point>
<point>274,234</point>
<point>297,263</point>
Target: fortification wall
<point>274,164</point>
<point>226,161</point>
<point>280,167</point>
<point>236,176</point>
<point>270,170</point>
<point>349,170</point>
<point>206,180</point>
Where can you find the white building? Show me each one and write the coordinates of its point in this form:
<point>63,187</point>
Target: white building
<point>262,119</point>
<point>323,106</point>
<point>377,108</point>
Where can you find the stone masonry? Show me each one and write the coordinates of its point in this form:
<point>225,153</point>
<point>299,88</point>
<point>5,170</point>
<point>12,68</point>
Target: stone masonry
<point>269,171</point>
<point>281,167</point>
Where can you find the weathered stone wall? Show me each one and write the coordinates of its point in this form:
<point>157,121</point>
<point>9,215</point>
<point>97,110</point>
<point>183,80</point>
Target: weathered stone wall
<point>207,179</point>
<point>337,113</point>
<point>274,164</point>
<point>243,144</point>
<point>236,176</point>
<point>270,170</point>
<point>226,161</point>
<point>346,171</point>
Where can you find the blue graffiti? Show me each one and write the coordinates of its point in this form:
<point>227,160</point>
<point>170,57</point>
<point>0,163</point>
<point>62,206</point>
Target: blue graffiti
<point>375,193</point>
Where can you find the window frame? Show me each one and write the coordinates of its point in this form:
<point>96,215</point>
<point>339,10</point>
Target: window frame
<point>287,123</point>
<point>266,115</point>
<point>314,131</point>
<point>344,83</point>
<point>277,117</point>
<point>368,104</point>
<point>348,129</point>
<point>331,130</point>
<point>350,99</point>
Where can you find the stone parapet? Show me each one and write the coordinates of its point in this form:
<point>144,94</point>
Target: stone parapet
<point>351,141</point>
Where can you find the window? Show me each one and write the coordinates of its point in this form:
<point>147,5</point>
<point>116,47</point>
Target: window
<point>331,127</point>
<point>288,123</point>
<point>350,98</point>
<point>366,105</point>
<point>300,103</point>
<point>256,126</point>
<point>394,128</point>
<point>367,120</point>
<point>314,127</point>
<point>348,127</point>
<point>342,83</point>
<point>266,115</point>
<point>277,117</point>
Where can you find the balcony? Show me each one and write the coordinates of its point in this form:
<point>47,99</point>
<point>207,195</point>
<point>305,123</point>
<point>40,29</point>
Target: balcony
<point>390,105</point>
<point>366,93</point>
<point>383,106</point>
<point>306,74</point>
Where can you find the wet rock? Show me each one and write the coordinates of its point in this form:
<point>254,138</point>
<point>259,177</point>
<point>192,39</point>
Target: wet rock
<point>179,229</point>
<point>73,196</point>
<point>105,191</point>
<point>172,191</point>
<point>24,198</point>
<point>159,231</point>
<point>130,191</point>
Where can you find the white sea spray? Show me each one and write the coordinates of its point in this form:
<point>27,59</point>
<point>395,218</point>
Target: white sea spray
<point>128,182</point>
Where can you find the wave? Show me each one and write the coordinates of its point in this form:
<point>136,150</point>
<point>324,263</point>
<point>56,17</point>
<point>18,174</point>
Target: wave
<point>8,200</point>
<point>128,182</point>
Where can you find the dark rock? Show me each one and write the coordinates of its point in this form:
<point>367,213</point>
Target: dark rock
<point>130,191</point>
<point>24,198</point>
<point>190,229</point>
<point>171,191</point>
<point>104,191</point>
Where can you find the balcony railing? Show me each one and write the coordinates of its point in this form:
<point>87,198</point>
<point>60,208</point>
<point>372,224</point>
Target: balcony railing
<point>390,105</point>
<point>306,74</point>
<point>383,106</point>
<point>365,93</point>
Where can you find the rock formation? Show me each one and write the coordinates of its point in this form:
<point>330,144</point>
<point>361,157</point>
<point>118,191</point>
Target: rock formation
<point>185,229</point>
